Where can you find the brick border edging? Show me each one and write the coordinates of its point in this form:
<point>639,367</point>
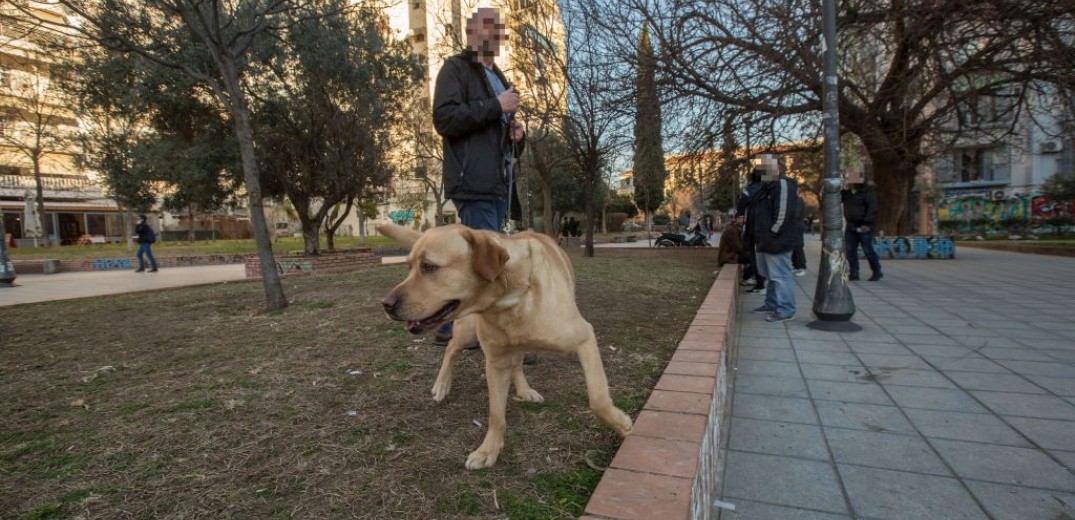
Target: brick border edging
<point>666,469</point>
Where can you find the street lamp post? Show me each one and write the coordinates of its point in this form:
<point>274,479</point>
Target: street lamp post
<point>833,304</point>
<point>7,271</point>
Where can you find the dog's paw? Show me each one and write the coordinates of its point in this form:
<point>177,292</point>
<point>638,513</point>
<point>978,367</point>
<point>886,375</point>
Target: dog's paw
<point>440,390</point>
<point>622,424</point>
<point>481,458</point>
<point>530,395</point>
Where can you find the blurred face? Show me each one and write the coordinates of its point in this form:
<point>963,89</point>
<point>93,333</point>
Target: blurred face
<point>485,33</point>
<point>767,167</point>
<point>853,176</point>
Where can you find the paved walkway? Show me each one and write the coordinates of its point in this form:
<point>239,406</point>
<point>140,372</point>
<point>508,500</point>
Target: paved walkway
<point>956,401</point>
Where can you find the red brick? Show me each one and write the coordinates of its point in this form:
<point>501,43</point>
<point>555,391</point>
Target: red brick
<point>691,369</point>
<point>661,456</point>
<point>670,425</point>
<point>702,385</point>
<point>696,356</point>
<point>683,402</point>
<point>635,496</point>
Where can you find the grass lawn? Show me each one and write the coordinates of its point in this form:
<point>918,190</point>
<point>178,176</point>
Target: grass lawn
<point>194,403</point>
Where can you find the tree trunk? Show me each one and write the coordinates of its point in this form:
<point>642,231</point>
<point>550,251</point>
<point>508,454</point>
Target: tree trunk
<point>44,224</point>
<point>894,179</point>
<point>590,214</point>
<point>270,278</point>
<point>190,229</point>
<point>311,235</point>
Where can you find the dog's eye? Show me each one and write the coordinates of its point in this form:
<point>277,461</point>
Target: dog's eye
<point>427,267</point>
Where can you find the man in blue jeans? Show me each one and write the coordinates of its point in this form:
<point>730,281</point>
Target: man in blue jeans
<point>776,217</point>
<point>860,210</point>
<point>473,111</point>
<point>145,236</point>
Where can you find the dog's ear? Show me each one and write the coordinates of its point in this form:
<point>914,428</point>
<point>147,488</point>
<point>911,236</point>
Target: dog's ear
<point>400,234</point>
<point>488,257</point>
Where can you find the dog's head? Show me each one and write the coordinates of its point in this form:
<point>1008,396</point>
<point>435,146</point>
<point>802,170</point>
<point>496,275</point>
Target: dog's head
<point>453,272</point>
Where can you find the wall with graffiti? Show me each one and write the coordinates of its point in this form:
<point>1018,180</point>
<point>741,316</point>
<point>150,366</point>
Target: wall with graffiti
<point>982,211</point>
<point>914,247</point>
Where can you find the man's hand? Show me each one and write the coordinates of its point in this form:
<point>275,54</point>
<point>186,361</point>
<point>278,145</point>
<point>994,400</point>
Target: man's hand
<point>863,229</point>
<point>509,100</point>
<point>516,133</point>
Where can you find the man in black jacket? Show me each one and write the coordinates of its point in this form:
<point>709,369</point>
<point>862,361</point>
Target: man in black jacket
<point>473,111</point>
<point>146,237</point>
<point>776,230</point>
<point>860,210</point>
<point>750,270</point>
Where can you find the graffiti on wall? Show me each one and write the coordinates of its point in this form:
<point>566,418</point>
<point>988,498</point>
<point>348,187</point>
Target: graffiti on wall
<point>401,216</point>
<point>294,266</point>
<point>914,247</point>
<point>971,207</point>
<point>104,264</point>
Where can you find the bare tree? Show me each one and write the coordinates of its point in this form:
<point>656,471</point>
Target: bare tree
<point>909,69</point>
<point>209,41</point>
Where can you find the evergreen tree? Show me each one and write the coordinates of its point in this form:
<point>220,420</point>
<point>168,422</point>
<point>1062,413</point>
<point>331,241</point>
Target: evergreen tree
<point>649,168</point>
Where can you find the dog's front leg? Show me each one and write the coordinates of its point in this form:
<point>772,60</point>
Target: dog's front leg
<point>597,387</point>
<point>464,334</point>
<point>523,391</point>
<point>498,370</point>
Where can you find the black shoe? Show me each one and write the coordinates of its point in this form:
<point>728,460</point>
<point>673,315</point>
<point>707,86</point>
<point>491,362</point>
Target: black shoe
<point>876,276</point>
<point>853,278</point>
<point>530,358</point>
<point>441,340</point>
<point>756,290</point>
<point>153,270</point>
<point>140,270</point>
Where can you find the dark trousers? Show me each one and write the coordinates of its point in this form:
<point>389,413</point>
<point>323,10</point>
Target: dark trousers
<point>853,239</point>
<point>798,258</point>
<point>143,251</point>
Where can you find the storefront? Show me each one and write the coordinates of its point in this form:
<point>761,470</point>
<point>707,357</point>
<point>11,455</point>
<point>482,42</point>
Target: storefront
<point>101,224</point>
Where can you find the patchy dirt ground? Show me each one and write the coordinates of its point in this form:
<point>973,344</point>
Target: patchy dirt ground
<point>193,403</point>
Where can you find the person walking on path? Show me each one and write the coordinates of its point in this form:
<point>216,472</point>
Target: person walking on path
<point>146,237</point>
<point>473,111</point>
<point>776,227</point>
<point>860,210</point>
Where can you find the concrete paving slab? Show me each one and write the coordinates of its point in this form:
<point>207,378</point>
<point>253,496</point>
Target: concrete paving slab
<point>846,373</point>
<point>1026,405</point>
<point>1047,433</point>
<point>1020,503</point>
<point>774,408</point>
<point>898,495</point>
<point>766,385</point>
<point>847,392</point>
<point>1005,464</point>
<point>777,438</point>
<point>863,417</point>
<point>749,510</point>
<point>783,481</point>
<point>965,426</point>
<point>885,450</point>
<point>933,399</point>
<point>996,382</point>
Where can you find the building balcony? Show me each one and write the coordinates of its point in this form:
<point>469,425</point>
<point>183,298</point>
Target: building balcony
<point>54,187</point>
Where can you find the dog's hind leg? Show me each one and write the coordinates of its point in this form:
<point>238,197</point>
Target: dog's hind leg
<point>498,371</point>
<point>523,391</point>
<point>597,387</point>
<point>464,334</point>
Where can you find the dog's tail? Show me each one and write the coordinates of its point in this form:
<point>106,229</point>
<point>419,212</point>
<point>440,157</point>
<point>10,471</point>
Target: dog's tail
<point>405,236</point>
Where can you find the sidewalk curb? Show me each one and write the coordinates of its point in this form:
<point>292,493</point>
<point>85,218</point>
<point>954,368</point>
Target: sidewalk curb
<point>666,469</point>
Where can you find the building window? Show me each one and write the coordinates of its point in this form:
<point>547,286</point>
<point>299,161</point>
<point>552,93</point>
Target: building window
<point>974,165</point>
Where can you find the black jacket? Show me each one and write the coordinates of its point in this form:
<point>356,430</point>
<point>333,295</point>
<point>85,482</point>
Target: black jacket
<point>146,235</point>
<point>776,215</point>
<point>468,117</point>
<point>860,205</point>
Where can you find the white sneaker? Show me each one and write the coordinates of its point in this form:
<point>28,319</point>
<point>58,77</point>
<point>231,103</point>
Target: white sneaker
<point>800,272</point>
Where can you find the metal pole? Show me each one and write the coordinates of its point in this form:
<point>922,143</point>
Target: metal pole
<point>833,304</point>
<point>7,270</point>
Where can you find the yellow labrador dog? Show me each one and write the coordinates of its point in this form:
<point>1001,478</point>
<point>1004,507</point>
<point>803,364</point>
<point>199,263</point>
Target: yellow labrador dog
<point>513,294</point>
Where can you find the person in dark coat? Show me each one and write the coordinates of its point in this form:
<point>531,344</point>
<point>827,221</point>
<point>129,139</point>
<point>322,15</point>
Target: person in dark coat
<point>145,237</point>
<point>777,228</point>
<point>750,271</point>
<point>860,210</point>
<point>798,255</point>
<point>473,111</point>
<point>731,243</point>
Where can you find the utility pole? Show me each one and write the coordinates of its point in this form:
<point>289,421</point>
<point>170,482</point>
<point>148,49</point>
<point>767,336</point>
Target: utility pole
<point>833,304</point>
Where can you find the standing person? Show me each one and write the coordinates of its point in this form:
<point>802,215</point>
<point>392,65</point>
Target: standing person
<point>473,111</point>
<point>146,237</point>
<point>798,255</point>
<point>731,243</point>
<point>776,225</point>
<point>750,273</point>
<point>860,210</point>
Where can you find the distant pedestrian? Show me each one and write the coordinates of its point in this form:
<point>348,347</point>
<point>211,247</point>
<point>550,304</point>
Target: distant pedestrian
<point>146,237</point>
<point>573,226</point>
<point>776,227</point>
<point>731,243</point>
<point>860,210</point>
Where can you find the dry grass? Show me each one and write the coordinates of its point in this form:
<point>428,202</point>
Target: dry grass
<point>193,403</point>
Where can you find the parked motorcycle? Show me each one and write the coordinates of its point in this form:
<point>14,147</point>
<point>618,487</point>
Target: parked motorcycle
<point>696,239</point>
